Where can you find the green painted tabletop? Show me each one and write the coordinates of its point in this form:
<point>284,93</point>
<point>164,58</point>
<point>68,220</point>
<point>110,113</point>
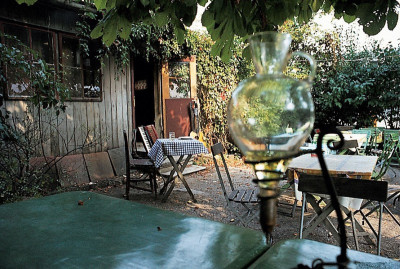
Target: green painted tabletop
<point>106,232</point>
<point>290,253</point>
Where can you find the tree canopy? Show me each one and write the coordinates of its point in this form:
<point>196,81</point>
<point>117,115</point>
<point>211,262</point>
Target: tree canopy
<point>226,18</point>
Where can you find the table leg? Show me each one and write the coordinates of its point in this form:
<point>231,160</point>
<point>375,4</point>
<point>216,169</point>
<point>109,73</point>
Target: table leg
<point>322,216</point>
<point>170,177</point>
<point>360,229</point>
<point>178,168</point>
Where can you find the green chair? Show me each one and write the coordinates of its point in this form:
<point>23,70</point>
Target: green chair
<point>393,135</point>
<point>374,140</point>
<point>363,148</point>
<point>393,192</point>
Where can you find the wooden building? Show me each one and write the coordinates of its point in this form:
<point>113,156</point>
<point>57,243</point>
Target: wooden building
<point>103,101</point>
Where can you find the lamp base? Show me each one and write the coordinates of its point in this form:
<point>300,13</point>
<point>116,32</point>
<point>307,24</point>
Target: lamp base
<point>268,176</point>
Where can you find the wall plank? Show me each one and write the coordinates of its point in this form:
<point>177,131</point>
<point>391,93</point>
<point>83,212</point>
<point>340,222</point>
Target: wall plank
<point>104,120</point>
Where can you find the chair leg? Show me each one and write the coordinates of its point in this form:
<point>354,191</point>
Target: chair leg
<point>391,214</point>
<point>378,248</point>
<point>353,226</point>
<point>304,203</point>
<point>154,181</point>
<point>127,186</point>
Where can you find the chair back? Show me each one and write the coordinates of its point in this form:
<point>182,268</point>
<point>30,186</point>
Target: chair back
<point>383,162</point>
<point>347,187</point>
<point>363,131</point>
<point>394,134</point>
<point>218,150</point>
<point>145,138</point>
<point>151,133</point>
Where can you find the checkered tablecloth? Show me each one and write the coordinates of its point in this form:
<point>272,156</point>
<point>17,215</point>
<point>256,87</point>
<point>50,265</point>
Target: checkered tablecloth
<point>175,147</point>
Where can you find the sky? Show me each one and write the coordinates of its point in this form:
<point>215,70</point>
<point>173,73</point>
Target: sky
<point>328,22</point>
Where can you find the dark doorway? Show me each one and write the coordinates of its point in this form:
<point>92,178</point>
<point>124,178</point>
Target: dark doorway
<point>144,92</point>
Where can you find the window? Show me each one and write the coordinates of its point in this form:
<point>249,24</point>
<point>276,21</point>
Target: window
<point>179,80</point>
<point>17,80</point>
<point>80,73</point>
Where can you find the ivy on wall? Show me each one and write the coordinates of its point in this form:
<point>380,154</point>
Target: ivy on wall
<point>216,80</point>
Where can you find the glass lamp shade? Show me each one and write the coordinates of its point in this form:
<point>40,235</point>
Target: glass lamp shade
<point>270,115</point>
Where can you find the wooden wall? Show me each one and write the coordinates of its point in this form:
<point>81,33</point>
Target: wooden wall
<point>99,123</point>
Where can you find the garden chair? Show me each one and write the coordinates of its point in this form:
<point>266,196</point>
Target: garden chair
<point>393,192</point>
<point>248,198</point>
<point>393,135</point>
<point>347,148</point>
<point>145,166</point>
<point>314,186</point>
<point>147,142</point>
<point>363,149</point>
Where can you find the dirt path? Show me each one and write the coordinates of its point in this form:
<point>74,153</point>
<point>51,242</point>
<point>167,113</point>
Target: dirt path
<point>210,205</point>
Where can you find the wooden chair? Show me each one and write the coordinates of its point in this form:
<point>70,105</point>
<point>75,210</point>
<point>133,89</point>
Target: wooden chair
<point>151,133</point>
<point>347,187</point>
<point>248,198</point>
<point>147,143</point>
<point>143,165</point>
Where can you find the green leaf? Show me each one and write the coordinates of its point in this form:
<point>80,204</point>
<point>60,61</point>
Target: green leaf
<point>374,27</point>
<point>202,2</point>
<point>110,32</point>
<point>238,25</point>
<point>161,18</point>
<point>100,4</point>
<point>316,5</point>
<point>207,19</point>
<point>110,4</point>
<point>226,52</point>
<point>28,2</point>
<point>392,18</point>
<point>145,2</point>
<point>348,18</point>
<point>97,31</point>
<point>125,26</point>
<point>216,48</point>
<point>180,35</point>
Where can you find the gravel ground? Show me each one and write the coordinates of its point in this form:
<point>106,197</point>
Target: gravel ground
<point>211,205</point>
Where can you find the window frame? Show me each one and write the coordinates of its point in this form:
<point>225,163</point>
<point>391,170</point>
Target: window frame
<point>60,61</point>
<point>57,61</point>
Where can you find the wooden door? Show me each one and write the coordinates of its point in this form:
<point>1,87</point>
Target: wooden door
<point>178,91</point>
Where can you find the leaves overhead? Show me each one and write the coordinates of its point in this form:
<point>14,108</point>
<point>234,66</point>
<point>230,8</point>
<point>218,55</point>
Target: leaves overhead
<point>226,18</point>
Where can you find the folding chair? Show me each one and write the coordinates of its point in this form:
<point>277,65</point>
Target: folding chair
<point>144,165</point>
<point>248,198</point>
<point>393,192</point>
<point>363,149</point>
<point>346,187</point>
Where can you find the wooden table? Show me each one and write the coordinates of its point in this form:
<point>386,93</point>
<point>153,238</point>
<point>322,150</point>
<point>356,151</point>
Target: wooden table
<point>106,232</point>
<point>351,166</point>
<point>182,147</point>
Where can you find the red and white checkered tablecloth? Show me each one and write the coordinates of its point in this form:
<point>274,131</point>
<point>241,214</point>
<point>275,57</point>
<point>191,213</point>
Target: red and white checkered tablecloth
<point>175,147</point>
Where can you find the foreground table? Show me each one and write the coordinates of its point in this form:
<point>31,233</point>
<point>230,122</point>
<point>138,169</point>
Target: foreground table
<point>351,166</point>
<point>290,253</point>
<point>176,147</point>
<point>106,232</point>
